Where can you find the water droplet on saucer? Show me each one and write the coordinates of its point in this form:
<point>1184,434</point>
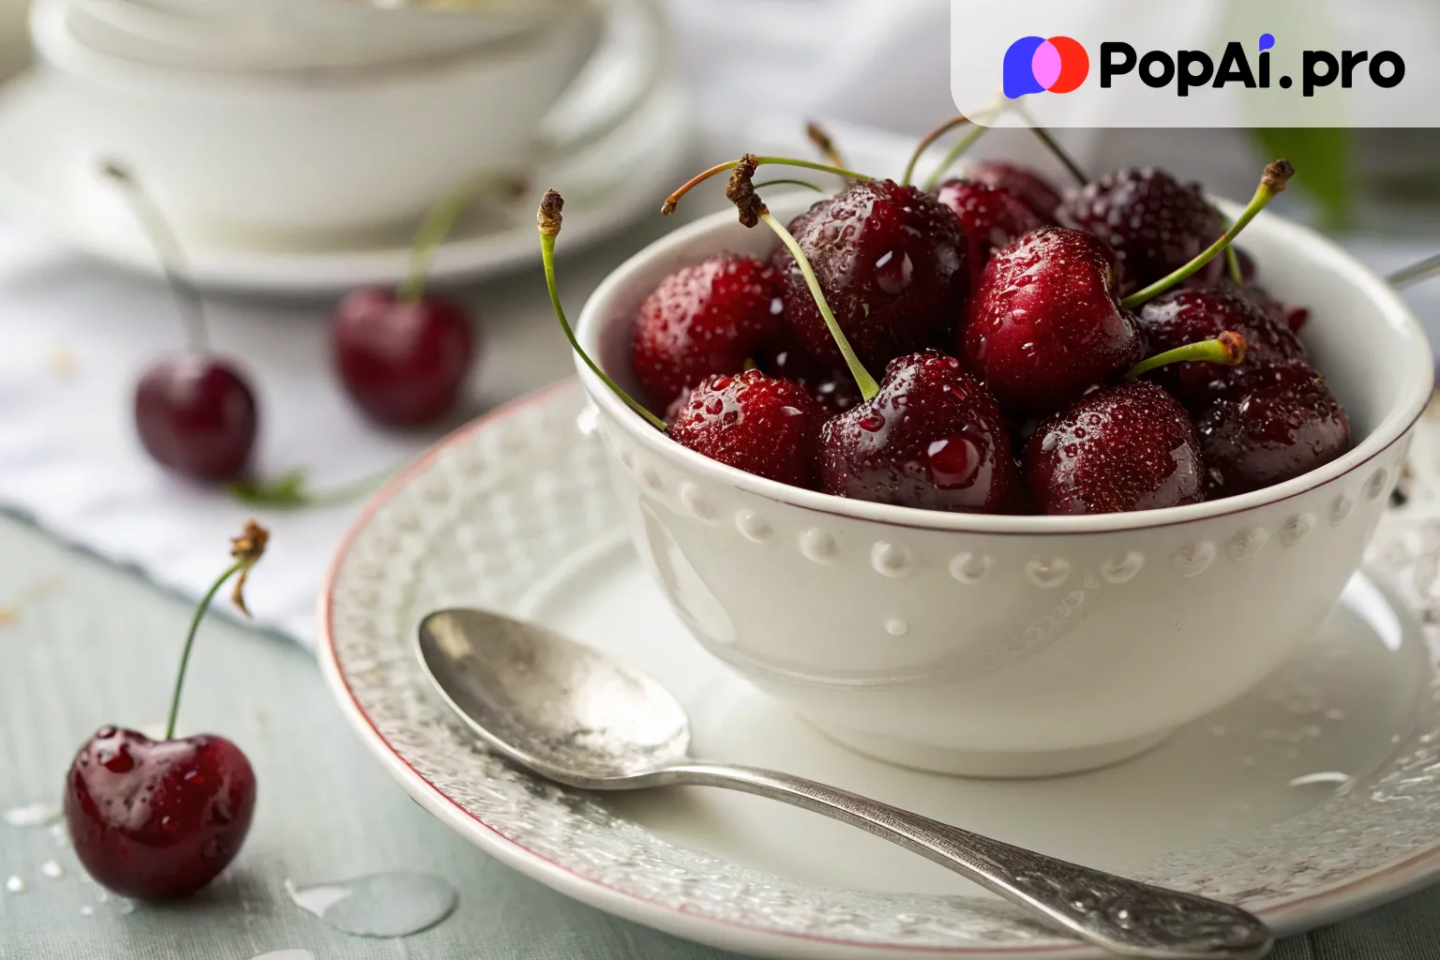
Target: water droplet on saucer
<point>15,885</point>
<point>52,869</point>
<point>380,905</point>
<point>32,815</point>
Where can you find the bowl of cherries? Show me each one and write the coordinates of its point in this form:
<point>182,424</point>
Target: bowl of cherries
<point>991,478</point>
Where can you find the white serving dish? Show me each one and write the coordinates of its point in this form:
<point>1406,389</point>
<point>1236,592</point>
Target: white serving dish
<point>1003,645</point>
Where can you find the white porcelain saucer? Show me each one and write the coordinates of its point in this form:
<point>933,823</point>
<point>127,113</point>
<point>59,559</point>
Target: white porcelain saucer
<point>1313,797</point>
<point>51,182</point>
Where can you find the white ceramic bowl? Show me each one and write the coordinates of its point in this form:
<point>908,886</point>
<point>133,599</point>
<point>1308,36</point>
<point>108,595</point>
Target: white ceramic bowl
<point>1001,645</point>
<point>327,155</point>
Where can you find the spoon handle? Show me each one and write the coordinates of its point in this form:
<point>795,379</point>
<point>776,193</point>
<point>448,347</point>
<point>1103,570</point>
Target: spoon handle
<point>1124,916</point>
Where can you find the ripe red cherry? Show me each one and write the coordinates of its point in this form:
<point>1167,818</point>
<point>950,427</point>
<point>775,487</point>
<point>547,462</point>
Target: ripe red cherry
<point>932,438</point>
<point>704,319</point>
<point>753,422</point>
<point>1280,422</point>
<point>155,819</point>
<point>159,819</point>
<point>990,218</point>
<point>1029,186</point>
<point>196,415</point>
<point>1044,323</point>
<point>891,262</point>
<point>835,393</point>
<point>1182,316</point>
<point>1122,448</point>
<point>1155,224</point>
<point>404,362</point>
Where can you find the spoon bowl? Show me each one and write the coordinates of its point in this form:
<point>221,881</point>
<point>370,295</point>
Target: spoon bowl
<point>549,704</point>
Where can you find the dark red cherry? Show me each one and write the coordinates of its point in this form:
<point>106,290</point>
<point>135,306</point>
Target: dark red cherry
<point>753,422</point>
<point>1291,316</point>
<point>1155,224</point>
<point>705,319</point>
<point>891,263</point>
<point>1035,190</point>
<point>1284,422</point>
<point>1044,324</point>
<point>196,415</point>
<point>990,218</point>
<point>932,438</point>
<point>403,362</point>
<point>153,819</point>
<point>835,393</point>
<point>1182,316</point>
<point>1122,448</point>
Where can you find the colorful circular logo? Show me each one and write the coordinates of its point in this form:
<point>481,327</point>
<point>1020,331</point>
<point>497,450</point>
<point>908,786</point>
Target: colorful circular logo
<point>1036,65</point>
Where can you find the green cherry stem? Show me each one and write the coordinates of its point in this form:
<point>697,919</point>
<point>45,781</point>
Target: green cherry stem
<point>927,141</point>
<point>246,550</point>
<point>1415,273</point>
<point>673,201</point>
<point>1232,259</point>
<point>866,383</point>
<point>289,492</point>
<point>550,220</point>
<point>432,232</point>
<point>953,157</point>
<point>1228,349</point>
<point>167,248</point>
<point>1277,175</point>
<point>825,143</point>
<point>741,192</point>
<point>788,182</point>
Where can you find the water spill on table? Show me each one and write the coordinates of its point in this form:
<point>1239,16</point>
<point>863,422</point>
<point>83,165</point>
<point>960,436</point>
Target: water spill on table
<point>379,905</point>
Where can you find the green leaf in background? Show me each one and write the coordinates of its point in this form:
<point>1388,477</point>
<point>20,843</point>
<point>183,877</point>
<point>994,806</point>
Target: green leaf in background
<point>1325,159</point>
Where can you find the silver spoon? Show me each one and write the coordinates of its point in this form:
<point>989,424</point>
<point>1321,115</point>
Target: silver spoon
<point>571,715</point>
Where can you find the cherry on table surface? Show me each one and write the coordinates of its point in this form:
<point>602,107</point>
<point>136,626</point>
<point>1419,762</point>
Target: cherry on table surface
<point>1278,422</point>
<point>705,319</point>
<point>891,262</point>
<point>157,819</point>
<point>403,361</point>
<point>1044,323</point>
<point>753,422</point>
<point>1122,448</point>
<point>196,416</point>
<point>932,438</point>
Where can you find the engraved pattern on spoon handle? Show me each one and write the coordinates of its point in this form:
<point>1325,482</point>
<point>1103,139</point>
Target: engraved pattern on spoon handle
<point>1124,916</point>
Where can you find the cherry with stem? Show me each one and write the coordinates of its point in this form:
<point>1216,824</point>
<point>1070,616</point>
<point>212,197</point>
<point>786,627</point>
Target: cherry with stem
<point>741,192</point>
<point>403,355</point>
<point>1053,145</point>
<point>1272,184</point>
<point>158,819</point>
<point>194,412</point>
<point>673,201</point>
